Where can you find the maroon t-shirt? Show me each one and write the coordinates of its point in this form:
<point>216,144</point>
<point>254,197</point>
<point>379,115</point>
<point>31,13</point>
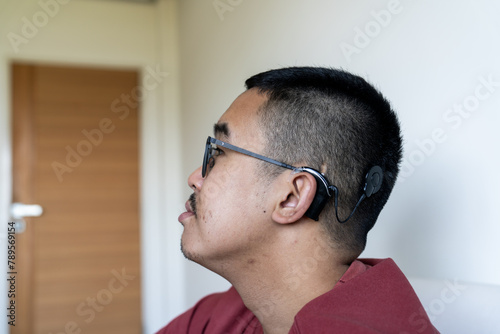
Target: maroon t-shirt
<point>373,296</point>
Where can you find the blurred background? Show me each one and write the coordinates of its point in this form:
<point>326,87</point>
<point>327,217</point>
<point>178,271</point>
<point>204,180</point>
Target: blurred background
<point>105,106</point>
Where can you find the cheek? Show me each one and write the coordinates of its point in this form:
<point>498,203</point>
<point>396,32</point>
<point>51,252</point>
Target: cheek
<point>227,183</point>
<point>219,206</point>
<point>230,196</point>
<point>216,184</point>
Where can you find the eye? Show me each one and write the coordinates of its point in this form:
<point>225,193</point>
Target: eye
<point>217,151</point>
<point>214,153</point>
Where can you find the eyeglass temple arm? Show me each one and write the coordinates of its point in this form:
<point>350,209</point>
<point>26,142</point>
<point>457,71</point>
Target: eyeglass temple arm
<point>255,155</point>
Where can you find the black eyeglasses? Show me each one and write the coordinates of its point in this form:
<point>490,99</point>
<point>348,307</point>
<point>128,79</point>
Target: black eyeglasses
<point>211,151</point>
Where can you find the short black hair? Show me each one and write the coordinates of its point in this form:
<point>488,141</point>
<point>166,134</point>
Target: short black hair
<point>336,122</point>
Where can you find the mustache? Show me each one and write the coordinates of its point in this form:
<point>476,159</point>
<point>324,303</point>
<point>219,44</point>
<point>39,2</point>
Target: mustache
<point>192,203</point>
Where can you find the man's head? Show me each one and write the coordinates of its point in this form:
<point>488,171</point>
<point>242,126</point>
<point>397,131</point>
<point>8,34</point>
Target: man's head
<point>339,124</point>
<point>325,119</point>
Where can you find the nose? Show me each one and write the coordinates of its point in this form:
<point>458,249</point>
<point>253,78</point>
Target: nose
<point>195,180</point>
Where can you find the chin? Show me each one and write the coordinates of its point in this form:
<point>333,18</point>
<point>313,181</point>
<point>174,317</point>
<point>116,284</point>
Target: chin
<point>190,255</point>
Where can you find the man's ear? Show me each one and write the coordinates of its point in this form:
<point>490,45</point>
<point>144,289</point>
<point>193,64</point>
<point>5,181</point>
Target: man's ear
<point>296,197</point>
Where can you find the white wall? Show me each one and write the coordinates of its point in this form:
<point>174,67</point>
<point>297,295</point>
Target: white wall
<point>427,57</point>
<point>112,34</point>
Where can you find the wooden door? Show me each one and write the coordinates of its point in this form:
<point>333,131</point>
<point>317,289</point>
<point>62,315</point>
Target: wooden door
<point>75,153</point>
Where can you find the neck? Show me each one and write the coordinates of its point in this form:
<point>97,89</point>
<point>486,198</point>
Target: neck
<point>275,287</point>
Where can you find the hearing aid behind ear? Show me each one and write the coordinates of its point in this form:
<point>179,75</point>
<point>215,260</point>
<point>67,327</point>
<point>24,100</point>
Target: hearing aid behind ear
<point>372,184</point>
<point>322,194</point>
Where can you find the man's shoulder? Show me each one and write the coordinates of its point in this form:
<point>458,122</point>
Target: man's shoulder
<point>372,296</point>
<point>222,312</point>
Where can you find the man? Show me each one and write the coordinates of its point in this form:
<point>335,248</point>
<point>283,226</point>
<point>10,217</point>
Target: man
<point>300,166</point>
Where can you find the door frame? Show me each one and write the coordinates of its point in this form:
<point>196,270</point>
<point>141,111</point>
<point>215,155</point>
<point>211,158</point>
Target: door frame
<point>162,265</point>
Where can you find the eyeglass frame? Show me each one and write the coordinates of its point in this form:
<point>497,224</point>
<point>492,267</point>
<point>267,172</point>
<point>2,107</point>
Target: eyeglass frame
<point>207,156</point>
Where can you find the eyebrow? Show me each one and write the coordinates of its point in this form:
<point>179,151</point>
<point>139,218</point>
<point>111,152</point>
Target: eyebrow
<point>221,130</point>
